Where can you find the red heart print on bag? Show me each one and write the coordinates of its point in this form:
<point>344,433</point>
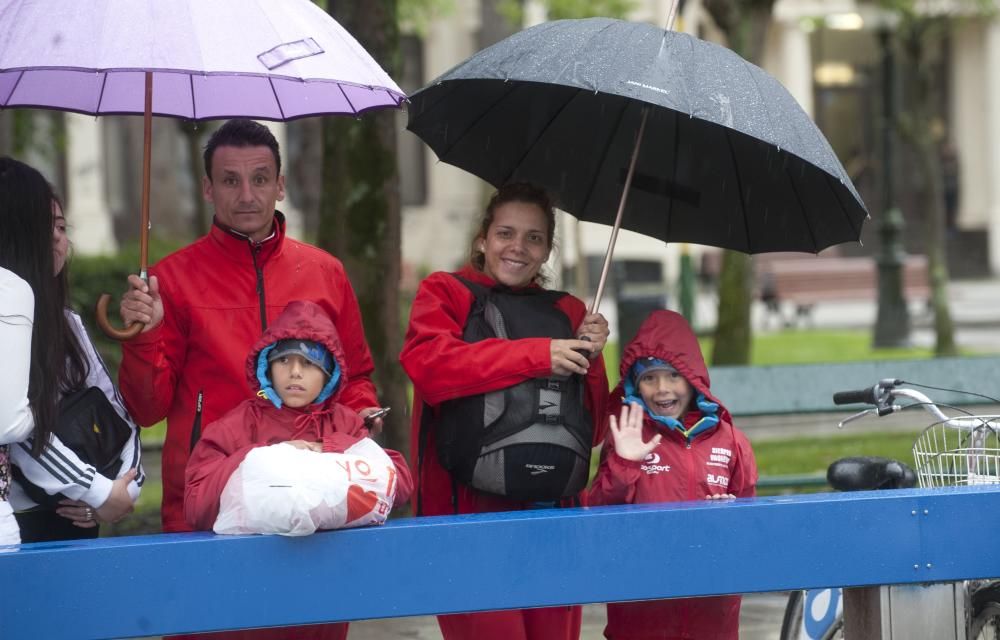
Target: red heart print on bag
<point>359,502</point>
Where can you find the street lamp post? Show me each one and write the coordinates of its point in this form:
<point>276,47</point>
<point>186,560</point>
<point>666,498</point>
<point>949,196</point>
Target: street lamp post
<point>892,323</point>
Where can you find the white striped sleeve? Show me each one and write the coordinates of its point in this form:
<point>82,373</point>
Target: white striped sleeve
<point>59,469</point>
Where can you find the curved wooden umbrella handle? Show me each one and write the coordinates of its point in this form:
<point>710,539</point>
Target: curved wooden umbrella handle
<point>120,335</point>
<point>101,312</point>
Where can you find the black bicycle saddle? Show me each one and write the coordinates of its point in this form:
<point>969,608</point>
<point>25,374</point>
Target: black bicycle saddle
<point>866,473</point>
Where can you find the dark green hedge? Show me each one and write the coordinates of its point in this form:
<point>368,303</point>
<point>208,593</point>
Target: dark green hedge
<point>90,276</point>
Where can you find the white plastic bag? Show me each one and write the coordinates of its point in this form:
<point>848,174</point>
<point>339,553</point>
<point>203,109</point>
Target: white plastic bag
<point>293,492</point>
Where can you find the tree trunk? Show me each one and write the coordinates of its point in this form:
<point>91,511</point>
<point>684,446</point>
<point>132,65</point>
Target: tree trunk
<point>733,330</point>
<point>916,131</point>
<point>745,24</point>
<point>6,132</point>
<point>200,218</point>
<point>360,210</point>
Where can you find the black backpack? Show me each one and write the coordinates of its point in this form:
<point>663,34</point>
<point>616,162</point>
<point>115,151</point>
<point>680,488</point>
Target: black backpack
<point>89,425</point>
<point>528,442</point>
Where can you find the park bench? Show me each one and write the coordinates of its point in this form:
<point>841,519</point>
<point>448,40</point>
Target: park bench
<point>804,282</point>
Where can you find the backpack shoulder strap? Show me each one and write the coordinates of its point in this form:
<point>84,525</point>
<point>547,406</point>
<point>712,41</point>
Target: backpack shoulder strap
<point>481,292</point>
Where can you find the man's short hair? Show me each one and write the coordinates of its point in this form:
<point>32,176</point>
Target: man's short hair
<point>241,132</point>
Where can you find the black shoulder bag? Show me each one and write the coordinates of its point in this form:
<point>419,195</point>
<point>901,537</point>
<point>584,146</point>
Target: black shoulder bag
<point>89,425</point>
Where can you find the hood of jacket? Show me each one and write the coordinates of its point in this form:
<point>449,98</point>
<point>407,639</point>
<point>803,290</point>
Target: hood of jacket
<point>668,336</point>
<point>303,320</point>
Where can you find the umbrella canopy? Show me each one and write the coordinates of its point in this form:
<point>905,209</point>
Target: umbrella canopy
<point>727,156</point>
<point>265,59</point>
<point>197,59</point>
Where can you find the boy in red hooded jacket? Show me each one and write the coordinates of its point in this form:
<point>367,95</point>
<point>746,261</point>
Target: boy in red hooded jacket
<point>298,366</point>
<point>673,441</point>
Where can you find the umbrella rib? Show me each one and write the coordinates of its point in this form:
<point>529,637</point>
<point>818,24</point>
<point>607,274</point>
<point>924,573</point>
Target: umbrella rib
<point>274,92</point>
<point>479,118</point>
<point>100,96</point>
<point>767,113</point>
<point>349,103</point>
<point>604,157</point>
<point>541,134</point>
<point>739,188</point>
<point>673,173</point>
<point>13,88</point>
<point>843,209</point>
<point>194,105</point>
<point>442,97</point>
<point>804,210</point>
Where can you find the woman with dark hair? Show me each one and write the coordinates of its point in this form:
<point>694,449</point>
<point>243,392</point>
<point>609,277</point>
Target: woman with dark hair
<point>63,361</point>
<point>29,331</point>
<point>490,351</point>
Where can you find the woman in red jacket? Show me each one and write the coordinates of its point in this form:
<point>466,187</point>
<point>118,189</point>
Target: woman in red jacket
<point>675,441</point>
<point>513,242</point>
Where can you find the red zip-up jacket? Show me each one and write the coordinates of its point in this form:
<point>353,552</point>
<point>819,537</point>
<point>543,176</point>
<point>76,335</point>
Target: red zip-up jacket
<point>256,422</point>
<point>443,366</point>
<point>216,294</point>
<point>716,461</point>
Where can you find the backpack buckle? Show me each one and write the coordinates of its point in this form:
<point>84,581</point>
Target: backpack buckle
<point>552,384</point>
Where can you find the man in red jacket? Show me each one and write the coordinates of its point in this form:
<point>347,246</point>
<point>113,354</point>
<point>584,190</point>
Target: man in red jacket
<point>206,305</point>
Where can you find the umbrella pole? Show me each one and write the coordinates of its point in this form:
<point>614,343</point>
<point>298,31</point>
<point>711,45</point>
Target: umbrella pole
<point>147,161</point>
<point>147,153</point>
<point>621,212</point>
<point>671,17</point>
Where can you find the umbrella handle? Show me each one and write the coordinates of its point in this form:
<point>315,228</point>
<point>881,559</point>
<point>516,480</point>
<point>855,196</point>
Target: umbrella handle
<point>101,312</point>
<point>120,335</point>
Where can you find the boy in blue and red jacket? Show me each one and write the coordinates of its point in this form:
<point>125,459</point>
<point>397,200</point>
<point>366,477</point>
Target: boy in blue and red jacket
<point>673,441</point>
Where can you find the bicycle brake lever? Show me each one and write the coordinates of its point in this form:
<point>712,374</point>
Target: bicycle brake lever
<point>860,414</point>
<point>887,409</point>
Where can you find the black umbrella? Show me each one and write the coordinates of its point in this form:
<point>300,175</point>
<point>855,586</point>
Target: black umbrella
<point>724,156</point>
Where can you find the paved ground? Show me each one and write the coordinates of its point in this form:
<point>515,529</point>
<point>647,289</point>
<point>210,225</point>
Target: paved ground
<point>760,620</point>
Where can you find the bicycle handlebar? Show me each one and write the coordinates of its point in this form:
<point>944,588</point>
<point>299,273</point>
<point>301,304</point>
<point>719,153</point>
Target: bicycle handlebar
<point>878,395</point>
<point>859,396</point>
<point>883,396</point>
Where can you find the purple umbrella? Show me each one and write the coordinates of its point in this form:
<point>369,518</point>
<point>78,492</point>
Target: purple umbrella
<point>195,59</point>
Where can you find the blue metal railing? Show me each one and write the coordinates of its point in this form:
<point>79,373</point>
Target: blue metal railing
<point>176,583</point>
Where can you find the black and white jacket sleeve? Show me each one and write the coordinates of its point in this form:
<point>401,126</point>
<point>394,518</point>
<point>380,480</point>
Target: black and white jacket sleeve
<point>59,469</point>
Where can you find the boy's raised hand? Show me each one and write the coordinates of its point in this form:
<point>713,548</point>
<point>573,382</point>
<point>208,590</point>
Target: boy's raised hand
<point>628,436</point>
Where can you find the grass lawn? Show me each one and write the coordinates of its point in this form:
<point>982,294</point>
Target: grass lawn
<point>812,455</point>
<point>797,346</point>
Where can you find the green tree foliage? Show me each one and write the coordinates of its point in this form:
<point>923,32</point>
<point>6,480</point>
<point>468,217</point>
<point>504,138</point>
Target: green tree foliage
<point>513,10</point>
<point>415,15</point>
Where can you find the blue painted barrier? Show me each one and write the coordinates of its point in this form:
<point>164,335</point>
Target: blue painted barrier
<point>152,585</point>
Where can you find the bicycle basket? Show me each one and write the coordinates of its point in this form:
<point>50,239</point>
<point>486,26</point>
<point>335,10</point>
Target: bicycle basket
<point>962,451</point>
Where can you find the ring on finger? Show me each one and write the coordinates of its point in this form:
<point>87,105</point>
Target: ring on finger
<point>88,513</point>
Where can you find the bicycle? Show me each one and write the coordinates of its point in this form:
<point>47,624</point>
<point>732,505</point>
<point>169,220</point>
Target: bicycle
<point>961,450</point>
